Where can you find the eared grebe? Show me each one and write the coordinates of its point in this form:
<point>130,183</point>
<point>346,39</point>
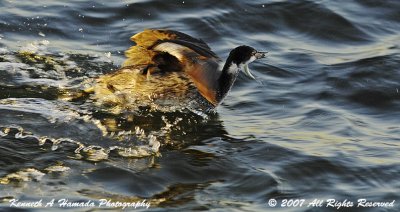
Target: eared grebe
<point>171,65</point>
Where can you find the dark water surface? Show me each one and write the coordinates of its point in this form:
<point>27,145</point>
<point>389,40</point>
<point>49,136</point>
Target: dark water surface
<point>322,120</point>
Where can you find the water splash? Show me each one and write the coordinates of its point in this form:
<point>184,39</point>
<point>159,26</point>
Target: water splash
<point>93,153</point>
<point>32,174</point>
<point>24,175</point>
<point>60,75</point>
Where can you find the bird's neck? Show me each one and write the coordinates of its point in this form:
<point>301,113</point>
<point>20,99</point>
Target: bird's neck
<point>228,76</point>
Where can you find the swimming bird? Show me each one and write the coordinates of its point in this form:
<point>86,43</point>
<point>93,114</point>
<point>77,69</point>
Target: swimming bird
<point>167,66</point>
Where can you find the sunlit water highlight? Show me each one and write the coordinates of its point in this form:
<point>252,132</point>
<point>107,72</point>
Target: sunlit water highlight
<point>321,120</point>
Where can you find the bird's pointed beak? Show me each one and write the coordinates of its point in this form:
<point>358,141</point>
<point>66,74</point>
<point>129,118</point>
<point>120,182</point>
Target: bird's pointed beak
<point>246,70</point>
<point>260,55</point>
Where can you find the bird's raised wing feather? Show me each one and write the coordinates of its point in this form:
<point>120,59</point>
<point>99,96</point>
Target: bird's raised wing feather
<point>144,50</point>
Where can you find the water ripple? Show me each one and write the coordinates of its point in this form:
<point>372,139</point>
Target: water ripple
<point>320,121</point>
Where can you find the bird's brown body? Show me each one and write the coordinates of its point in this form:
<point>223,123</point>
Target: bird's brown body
<point>167,67</point>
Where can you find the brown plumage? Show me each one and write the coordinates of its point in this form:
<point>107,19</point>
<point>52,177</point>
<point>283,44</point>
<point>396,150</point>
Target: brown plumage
<point>169,65</point>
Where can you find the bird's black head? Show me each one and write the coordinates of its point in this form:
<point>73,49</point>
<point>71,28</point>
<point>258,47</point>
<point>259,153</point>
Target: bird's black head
<point>238,59</point>
<point>244,55</point>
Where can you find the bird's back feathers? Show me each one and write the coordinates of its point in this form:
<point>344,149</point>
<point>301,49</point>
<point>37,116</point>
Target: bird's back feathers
<point>194,56</point>
<point>147,41</point>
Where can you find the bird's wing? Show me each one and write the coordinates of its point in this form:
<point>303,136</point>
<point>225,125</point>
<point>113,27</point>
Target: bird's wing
<point>193,56</point>
<point>144,50</point>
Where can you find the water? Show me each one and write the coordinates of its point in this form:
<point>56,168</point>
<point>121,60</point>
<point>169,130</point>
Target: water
<point>320,122</point>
